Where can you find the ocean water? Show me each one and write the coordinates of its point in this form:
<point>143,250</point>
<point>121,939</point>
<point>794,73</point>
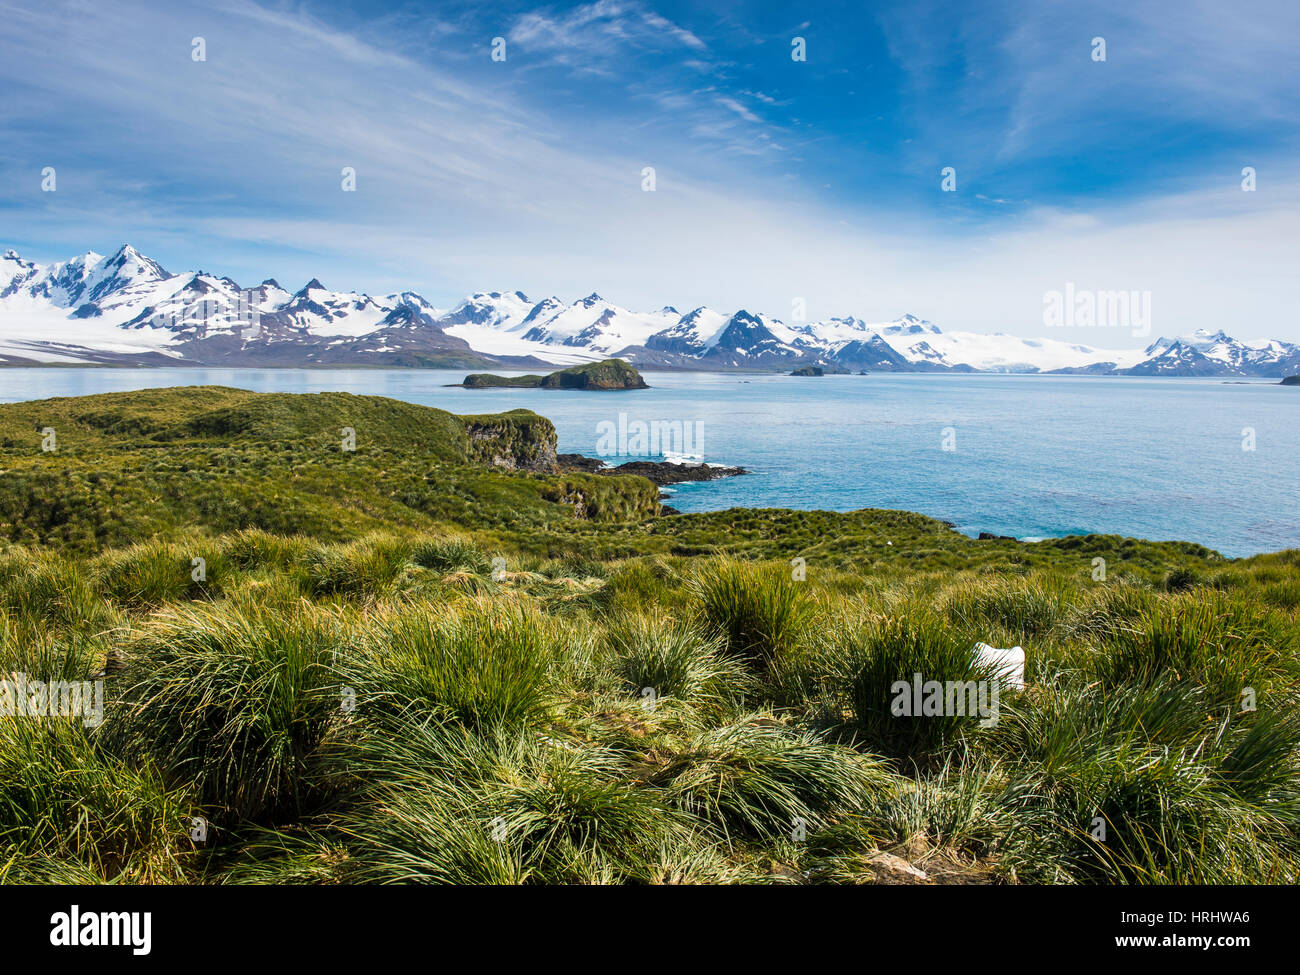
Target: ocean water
<point>1200,460</point>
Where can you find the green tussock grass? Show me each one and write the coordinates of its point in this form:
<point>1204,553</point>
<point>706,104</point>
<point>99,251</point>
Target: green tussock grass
<point>414,664</point>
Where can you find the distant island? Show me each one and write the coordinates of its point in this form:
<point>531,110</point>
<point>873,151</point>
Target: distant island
<point>1290,381</point>
<point>607,374</point>
<point>823,370</point>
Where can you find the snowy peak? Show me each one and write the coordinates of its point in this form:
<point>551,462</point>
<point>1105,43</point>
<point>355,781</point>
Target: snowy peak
<point>414,300</point>
<point>871,353</point>
<point>740,325</point>
<point>493,309</point>
<point>328,313</point>
<point>128,268</point>
<point>85,279</point>
<point>748,338</point>
<point>693,333</point>
<point>543,311</point>
<point>14,271</point>
<point>269,296</point>
<point>1216,353</point>
<point>407,316</point>
<point>64,284</point>
<point>592,324</point>
<point>911,325</point>
<point>1177,359</point>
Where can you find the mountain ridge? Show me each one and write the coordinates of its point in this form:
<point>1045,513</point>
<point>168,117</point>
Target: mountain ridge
<point>127,309</point>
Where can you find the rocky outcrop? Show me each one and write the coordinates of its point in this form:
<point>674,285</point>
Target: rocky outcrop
<point>665,473</point>
<point>519,440</point>
<point>600,499</point>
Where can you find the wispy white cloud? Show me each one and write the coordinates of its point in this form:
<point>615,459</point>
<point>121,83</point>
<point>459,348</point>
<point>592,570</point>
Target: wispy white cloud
<point>739,109</point>
<point>657,22</point>
<point>602,31</point>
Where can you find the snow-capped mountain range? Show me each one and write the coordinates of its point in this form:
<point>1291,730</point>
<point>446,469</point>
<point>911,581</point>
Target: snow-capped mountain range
<point>127,309</point>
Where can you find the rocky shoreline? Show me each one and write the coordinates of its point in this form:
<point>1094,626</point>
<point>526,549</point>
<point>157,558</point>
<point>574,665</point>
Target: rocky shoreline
<point>659,473</point>
<point>664,472</point>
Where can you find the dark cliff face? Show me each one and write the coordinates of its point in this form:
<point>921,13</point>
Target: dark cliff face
<point>523,441</point>
<point>519,440</point>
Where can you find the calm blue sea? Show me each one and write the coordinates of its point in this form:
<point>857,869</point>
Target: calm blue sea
<point>1033,456</point>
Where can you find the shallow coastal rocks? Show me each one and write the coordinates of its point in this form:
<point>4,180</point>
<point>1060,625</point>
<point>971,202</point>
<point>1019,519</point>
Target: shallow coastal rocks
<point>657,472</point>
<point>664,472</point>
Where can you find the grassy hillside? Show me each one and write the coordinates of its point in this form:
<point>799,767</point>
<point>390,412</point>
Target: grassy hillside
<point>410,663</point>
<point>130,466</point>
<point>222,416</point>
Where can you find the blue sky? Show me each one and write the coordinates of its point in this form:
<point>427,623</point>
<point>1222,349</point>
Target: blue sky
<point>775,179</point>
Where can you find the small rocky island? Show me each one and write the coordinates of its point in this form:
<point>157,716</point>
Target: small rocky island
<point>607,374</point>
<point>814,370</point>
<point>1290,381</point>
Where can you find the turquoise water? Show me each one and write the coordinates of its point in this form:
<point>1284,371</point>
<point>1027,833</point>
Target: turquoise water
<point>1035,456</point>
